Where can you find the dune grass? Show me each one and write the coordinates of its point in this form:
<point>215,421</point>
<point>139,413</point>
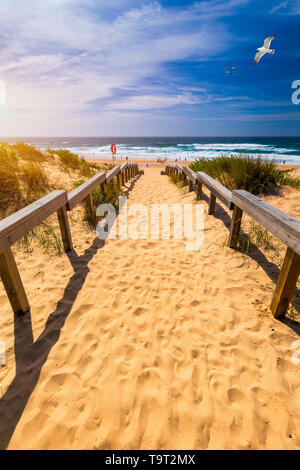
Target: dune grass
<point>71,161</point>
<point>178,180</point>
<point>22,179</point>
<point>27,152</point>
<point>110,196</point>
<point>253,234</point>
<point>254,174</point>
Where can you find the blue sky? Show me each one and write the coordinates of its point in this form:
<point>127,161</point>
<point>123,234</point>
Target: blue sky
<point>134,68</point>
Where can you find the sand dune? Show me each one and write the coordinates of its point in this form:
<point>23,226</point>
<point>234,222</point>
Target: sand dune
<point>140,344</point>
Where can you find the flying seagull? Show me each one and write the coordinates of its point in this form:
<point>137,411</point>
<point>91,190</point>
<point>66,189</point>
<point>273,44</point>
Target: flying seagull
<point>230,71</point>
<point>265,49</point>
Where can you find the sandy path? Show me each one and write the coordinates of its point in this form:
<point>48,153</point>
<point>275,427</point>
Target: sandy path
<point>153,346</point>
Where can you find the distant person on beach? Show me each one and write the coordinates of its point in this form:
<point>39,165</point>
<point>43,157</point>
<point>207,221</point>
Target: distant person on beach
<point>126,158</point>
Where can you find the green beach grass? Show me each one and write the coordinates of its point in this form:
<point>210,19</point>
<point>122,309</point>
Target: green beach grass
<point>254,174</point>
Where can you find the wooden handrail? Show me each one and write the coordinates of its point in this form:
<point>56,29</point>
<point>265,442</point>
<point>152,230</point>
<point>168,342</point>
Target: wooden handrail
<point>15,226</point>
<point>112,173</point>
<point>197,179</point>
<point>216,188</point>
<point>82,191</point>
<point>282,225</point>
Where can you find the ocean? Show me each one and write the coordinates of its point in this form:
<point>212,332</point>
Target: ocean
<point>281,149</point>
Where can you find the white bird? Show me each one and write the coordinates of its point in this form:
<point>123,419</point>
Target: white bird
<point>265,49</point>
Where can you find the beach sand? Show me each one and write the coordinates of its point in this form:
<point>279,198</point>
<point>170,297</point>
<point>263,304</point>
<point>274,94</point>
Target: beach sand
<point>140,344</point>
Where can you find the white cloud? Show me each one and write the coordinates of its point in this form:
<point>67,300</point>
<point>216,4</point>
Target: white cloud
<point>61,55</point>
<point>2,92</point>
<point>288,7</point>
<point>279,6</point>
<point>143,102</point>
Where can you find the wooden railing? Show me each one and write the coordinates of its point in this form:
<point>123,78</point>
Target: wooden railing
<point>282,225</point>
<point>14,227</point>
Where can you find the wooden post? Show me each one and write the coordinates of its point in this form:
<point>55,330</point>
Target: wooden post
<point>12,282</point>
<point>286,283</point>
<point>89,202</point>
<point>102,188</point>
<point>212,204</point>
<point>199,190</point>
<point>65,228</point>
<point>118,180</point>
<point>122,177</point>
<point>235,227</point>
<point>191,186</point>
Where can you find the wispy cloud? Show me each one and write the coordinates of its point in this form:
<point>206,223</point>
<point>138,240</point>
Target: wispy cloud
<point>288,7</point>
<point>63,54</point>
<point>101,65</point>
<point>279,6</point>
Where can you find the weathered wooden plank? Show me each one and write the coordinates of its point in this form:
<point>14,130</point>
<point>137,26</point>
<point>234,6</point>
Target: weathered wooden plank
<point>235,227</point>
<point>123,177</point>
<point>89,202</point>
<point>112,173</point>
<point>170,167</point>
<point>12,282</point>
<point>123,166</point>
<point>191,175</point>
<point>199,190</point>
<point>286,283</point>
<point>102,188</point>
<point>283,226</point>
<point>119,180</point>
<point>178,167</point>
<point>15,226</point>
<point>65,228</point>
<point>216,188</point>
<point>81,192</point>
<point>212,204</point>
